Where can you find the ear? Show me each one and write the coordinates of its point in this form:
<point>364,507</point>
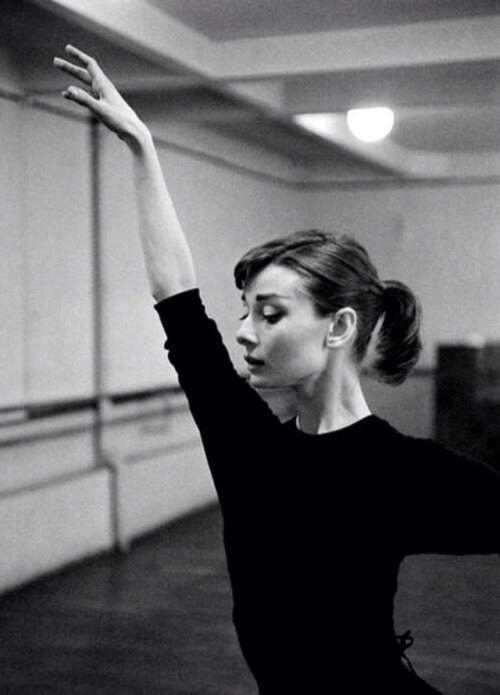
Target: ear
<point>342,328</point>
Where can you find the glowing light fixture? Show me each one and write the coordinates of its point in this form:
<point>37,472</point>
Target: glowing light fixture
<point>370,125</point>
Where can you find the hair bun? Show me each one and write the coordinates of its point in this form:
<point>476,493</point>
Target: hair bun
<point>399,344</point>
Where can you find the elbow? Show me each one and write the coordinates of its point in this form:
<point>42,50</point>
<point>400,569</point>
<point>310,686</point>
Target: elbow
<point>166,289</point>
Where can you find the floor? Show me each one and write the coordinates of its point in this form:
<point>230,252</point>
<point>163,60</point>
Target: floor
<point>157,620</point>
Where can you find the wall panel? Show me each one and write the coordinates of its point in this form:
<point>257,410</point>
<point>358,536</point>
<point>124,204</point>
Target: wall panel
<point>162,488</point>
<point>58,260</point>
<point>11,256</point>
<point>442,240</point>
<point>132,336</point>
<point>223,213</point>
<point>46,528</point>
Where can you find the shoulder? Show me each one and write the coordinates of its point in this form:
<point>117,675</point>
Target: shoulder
<point>430,461</point>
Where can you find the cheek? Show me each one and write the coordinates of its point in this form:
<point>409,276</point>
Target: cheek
<point>300,350</point>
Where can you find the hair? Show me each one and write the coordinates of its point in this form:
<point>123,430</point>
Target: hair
<point>338,273</point>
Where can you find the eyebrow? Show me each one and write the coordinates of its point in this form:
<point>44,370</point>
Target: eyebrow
<point>267,295</point>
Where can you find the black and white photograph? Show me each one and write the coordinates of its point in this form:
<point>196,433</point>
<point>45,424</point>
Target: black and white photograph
<point>250,347</point>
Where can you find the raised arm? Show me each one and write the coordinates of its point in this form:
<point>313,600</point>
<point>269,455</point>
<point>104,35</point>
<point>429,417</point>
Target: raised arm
<point>167,256</point>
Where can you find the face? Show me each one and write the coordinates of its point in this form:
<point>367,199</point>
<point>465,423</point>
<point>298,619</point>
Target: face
<point>283,336</point>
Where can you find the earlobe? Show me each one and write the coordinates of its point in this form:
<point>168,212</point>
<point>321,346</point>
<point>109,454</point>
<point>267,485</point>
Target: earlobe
<point>332,337</point>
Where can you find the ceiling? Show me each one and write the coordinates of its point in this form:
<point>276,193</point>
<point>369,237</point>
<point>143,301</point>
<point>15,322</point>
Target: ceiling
<point>240,19</point>
<point>247,68</point>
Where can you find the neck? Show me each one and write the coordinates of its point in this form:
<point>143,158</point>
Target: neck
<point>332,402</point>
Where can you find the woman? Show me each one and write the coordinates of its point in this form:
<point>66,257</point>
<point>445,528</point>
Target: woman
<point>337,486</point>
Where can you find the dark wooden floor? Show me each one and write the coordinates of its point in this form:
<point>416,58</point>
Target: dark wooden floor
<point>157,620</point>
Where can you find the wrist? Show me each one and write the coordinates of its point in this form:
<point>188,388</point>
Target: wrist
<point>137,137</point>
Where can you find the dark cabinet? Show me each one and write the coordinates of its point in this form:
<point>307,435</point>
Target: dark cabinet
<point>468,400</point>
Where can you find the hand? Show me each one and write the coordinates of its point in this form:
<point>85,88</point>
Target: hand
<point>102,99</point>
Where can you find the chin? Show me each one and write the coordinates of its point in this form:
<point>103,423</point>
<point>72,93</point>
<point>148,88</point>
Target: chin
<point>258,382</point>
<point>263,382</point>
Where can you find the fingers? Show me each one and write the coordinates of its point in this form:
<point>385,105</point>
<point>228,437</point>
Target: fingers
<point>80,96</point>
<point>90,63</point>
<point>73,70</point>
<point>101,97</point>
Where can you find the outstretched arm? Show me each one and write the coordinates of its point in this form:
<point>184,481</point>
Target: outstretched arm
<point>168,259</point>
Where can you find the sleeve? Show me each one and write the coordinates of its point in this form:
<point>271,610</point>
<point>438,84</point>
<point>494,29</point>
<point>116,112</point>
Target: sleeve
<point>453,502</point>
<point>229,413</point>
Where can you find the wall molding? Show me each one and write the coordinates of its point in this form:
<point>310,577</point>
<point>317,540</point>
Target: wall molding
<point>395,184</point>
<point>224,163</point>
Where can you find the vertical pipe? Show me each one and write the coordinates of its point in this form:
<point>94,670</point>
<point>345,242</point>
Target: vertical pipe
<point>101,458</point>
<point>97,285</point>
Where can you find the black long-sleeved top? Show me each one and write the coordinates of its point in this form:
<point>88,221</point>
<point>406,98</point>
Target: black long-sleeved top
<point>316,526</point>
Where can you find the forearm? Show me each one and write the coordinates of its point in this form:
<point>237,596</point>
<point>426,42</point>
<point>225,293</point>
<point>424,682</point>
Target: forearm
<point>166,252</point>
<point>167,255</point>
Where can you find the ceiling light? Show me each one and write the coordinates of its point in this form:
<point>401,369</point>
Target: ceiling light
<point>370,125</point>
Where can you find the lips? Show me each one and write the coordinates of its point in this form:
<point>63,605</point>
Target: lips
<point>252,362</point>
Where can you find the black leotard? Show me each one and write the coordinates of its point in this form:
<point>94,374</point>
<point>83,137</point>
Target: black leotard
<point>316,526</point>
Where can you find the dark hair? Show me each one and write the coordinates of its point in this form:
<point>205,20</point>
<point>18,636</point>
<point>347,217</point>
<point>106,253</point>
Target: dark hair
<point>337,272</point>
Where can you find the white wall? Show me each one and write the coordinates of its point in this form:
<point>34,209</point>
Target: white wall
<point>48,469</point>
<point>443,241</point>
<point>227,202</point>
<point>11,256</point>
<point>46,528</point>
<point>223,210</point>
<point>46,264</point>
<point>57,287</point>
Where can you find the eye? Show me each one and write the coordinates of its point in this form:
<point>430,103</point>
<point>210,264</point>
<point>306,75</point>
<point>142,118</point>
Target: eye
<point>242,318</point>
<point>272,318</point>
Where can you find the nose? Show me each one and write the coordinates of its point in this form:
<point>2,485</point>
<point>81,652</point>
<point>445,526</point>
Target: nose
<point>245,335</point>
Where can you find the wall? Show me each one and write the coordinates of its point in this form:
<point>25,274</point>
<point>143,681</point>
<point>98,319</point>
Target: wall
<point>224,209</point>
<point>442,240</point>
<point>90,459</point>
<point>46,264</point>
<point>11,258</point>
